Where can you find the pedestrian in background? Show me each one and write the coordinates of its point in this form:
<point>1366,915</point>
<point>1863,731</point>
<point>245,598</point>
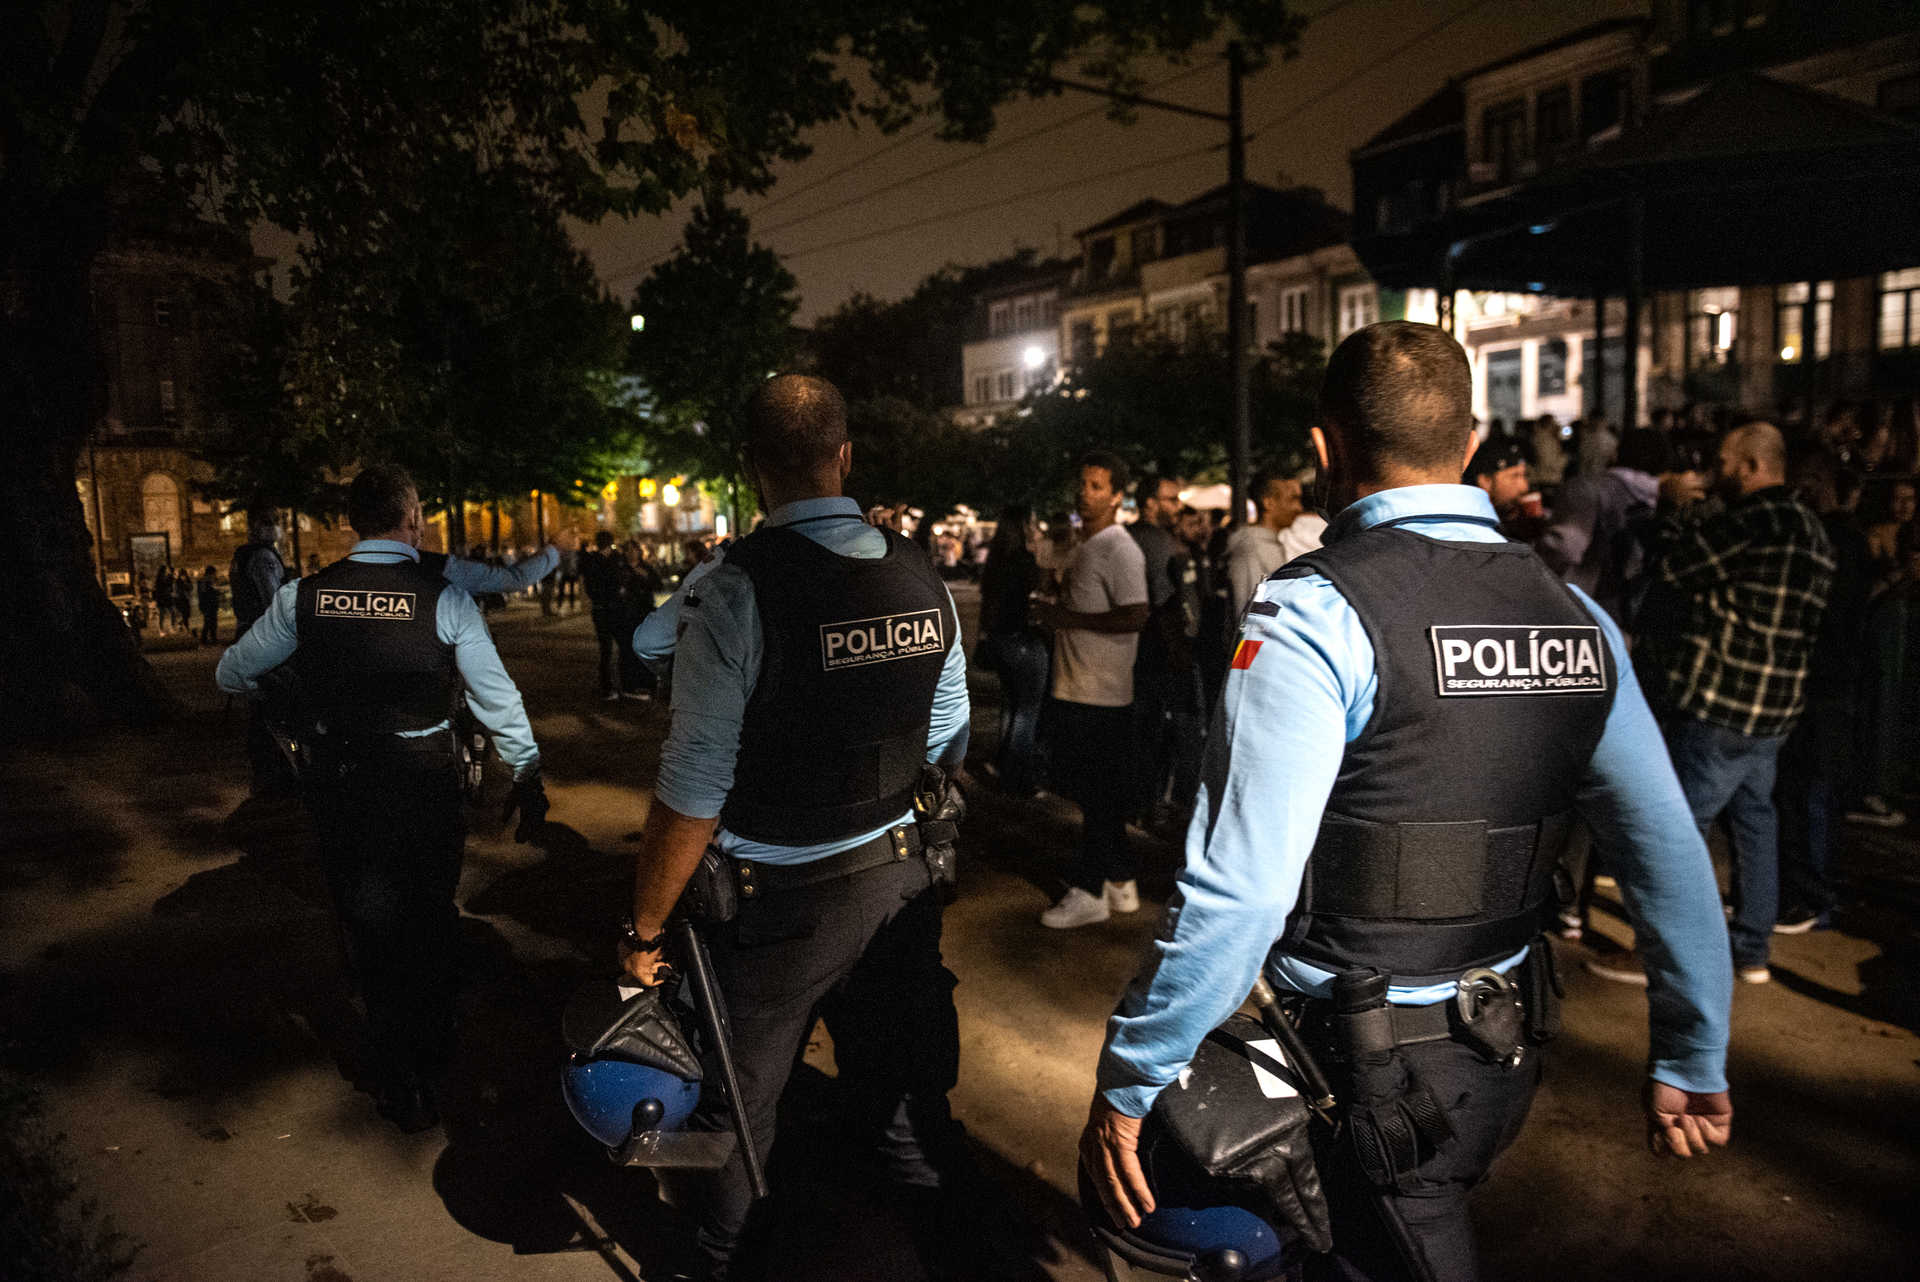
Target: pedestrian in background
<point>600,574</point>
<point>209,592</point>
<point>1165,653</point>
<point>1726,637</point>
<point>1284,530</point>
<point>183,600</point>
<point>1013,649</point>
<point>1096,622</point>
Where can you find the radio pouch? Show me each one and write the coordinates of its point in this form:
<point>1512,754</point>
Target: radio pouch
<point>712,895</point>
<point>1237,1114</point>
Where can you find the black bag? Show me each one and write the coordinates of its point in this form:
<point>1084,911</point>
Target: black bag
<point>1237,1114</point>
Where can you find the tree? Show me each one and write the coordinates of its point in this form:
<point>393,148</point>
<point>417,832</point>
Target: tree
<point>339,122</point>
<point>717,320</point>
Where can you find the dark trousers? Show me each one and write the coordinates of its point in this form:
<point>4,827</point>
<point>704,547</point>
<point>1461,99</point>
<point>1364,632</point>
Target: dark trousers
<point>1155,690</point>
<point>1486,1105</point>
<point>392,832</point>
<point>1090,750</point>
<point>210,626</point>
<point>1023,661</point>
<point>863,953</point>
<point>604,632</point>
<point>1816,757</point>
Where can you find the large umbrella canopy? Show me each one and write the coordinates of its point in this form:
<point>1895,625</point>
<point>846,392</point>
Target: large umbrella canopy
<point>1749,181</point>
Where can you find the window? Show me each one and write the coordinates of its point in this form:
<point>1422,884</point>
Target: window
<point>1789,321</point>
<point>169,406</point>
<point>999,319</point>
<point>1603,102</point>
<point>1142,245</point>
<point>1900,96</point>
<point>982,388</point>
<point>1006,386</point>
<point>1293,310</point>
<point>160,507</point>
<point>1359,307</point>
<point>1080,342</point>
<point>163,313</point>
<point>1553,367</point>
<point>1023,314</point>
<point>1100,258</point>
<point>1503,136</point>
<point>1553,122</point>
<point>1120,326</point>
<point>1900,310</point>
<point>1712,17</point>
<point>1712,319</point>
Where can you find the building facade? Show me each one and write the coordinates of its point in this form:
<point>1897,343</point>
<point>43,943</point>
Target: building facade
<point>1013,343</point>
<point>1489,138</point>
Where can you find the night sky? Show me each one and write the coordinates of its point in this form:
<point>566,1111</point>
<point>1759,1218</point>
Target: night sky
<point>1368,62</point>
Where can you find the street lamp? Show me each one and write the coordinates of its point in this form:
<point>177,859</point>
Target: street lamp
<point>638,321</point>
<point>1034,356</point>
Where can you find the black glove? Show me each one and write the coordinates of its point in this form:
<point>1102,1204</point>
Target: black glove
<point>529,797</point>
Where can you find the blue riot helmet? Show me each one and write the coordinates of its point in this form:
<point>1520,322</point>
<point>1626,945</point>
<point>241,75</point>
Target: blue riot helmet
<point>631,1072</point>
<point>1227,1154</point>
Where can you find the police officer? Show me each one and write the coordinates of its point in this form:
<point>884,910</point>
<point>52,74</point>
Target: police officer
<point>382,646</point>
<point>1412,713</point>
<point>818,671</point>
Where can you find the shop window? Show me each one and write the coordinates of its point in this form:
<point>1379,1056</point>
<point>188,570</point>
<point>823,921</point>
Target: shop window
<point>160,507</point>
<point>1789,321</point>
<point>1713,318</point>
<point>1899,319</point>
<point>1553,367</point>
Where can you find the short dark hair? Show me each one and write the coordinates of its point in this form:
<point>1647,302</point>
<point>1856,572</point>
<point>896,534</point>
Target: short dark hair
<point>1116,467</point>
<point>1399,394</point>
<point>379,499</point>
<point>602,539</point>
<point>796,423</point>
<point>1645,449</point>
<point>1496,454</point>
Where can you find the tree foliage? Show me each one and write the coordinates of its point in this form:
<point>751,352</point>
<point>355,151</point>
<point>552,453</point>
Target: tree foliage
<point>348,123</point>
<point>718,319</point>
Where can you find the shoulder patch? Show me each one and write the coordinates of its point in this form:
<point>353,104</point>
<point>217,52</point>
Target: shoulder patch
<point>1507,659</point>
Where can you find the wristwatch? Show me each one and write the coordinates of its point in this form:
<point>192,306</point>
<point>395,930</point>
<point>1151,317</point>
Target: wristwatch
<point>633,939</point>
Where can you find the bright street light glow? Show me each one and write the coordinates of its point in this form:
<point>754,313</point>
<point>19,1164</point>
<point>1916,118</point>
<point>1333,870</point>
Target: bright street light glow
<point>670,494</point>
<point>639,322</point>
<point>1034,357</point>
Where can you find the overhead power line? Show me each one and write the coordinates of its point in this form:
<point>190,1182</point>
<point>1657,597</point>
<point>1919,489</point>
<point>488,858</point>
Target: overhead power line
<point>1372,67</point>
<point>1014,198</point>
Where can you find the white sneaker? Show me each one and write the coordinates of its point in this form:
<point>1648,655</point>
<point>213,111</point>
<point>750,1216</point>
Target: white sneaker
<point>1076,908</point>
<point>1123,897</point>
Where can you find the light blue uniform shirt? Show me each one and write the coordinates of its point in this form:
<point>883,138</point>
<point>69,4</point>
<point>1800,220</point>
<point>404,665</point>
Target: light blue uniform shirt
<point>1275,749</point>
<point>477,577</point>
<point>717,662</point>
<point>491,694</point>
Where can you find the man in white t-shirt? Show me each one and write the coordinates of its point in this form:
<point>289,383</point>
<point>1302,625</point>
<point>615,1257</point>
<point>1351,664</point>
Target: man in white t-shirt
<point>1285,530</point>
<point>1096,633</point>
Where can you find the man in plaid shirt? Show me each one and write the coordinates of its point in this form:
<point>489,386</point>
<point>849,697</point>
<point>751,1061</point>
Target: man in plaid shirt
<point>1725,640</point>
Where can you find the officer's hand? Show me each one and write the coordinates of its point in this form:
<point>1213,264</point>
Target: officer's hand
<point>529,797</point>
<point>1109,1149</point>
<point>648,969</point>
<point>1684,1123</point>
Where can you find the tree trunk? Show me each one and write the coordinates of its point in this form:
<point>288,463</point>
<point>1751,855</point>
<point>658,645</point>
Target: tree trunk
<point>456,512</point>
<point>67,660</point>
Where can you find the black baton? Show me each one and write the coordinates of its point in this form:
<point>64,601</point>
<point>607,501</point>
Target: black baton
<point>1319,1093</point>
<point>706,995</point>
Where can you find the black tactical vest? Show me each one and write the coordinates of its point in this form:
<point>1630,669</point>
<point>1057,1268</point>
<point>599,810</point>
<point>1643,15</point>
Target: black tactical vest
<point>370,658</point>
<point>836,732</point>
<point>1437,849</point>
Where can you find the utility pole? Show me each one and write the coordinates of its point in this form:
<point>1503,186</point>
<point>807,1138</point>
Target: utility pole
<point>1240,430</point>
<point>1241,446</point>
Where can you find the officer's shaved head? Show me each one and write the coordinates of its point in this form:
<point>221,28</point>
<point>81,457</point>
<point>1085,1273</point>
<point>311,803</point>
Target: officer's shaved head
<point>796,424</point>
<point>380,499</point>
<point>1400,397</point>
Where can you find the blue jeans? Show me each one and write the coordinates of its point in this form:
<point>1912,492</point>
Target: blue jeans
<point>1723,770</point>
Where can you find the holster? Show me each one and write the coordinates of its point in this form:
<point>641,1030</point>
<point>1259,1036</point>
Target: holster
<point>938,808</point>
<point>1396,1122</point>
<point>712,893</point>
<point>1541,990</point>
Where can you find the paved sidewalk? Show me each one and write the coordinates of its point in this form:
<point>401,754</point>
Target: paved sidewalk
<point>169,977</point>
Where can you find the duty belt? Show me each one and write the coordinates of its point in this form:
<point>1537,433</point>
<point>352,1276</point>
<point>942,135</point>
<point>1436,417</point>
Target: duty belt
<point>896,845</point>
